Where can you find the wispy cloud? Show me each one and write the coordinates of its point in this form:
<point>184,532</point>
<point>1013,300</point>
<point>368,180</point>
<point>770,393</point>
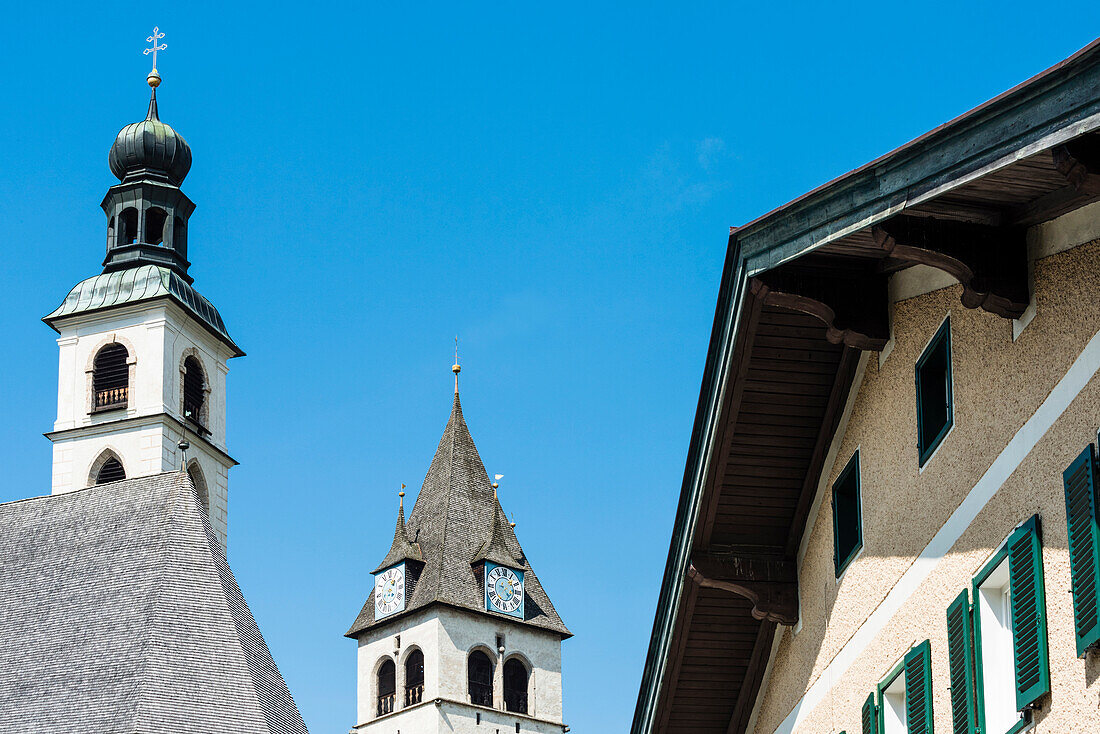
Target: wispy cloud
<point>708,151</point>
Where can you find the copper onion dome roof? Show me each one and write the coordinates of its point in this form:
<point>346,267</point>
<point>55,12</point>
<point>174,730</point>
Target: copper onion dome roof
<point>150,145</point>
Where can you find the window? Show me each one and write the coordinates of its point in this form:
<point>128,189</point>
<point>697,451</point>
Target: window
<point>179,236</point>
<point>111,471</point>
<point>155,219</point>
<point>904,698</point>
<point>110,378</point>
<point>387,687</point>
<point>935,413</point>
<point>194,390</point>
<point>997,639</point>
<point>1084,548</point>
<point>515,686</point>
<point>480,674</point>
<point>847,516</point>
<point>127,226</point>
<point>414,678</point>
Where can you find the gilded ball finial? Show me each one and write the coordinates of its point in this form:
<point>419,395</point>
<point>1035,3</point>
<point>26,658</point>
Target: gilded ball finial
<point>153,79</point>
<point>456,368</point>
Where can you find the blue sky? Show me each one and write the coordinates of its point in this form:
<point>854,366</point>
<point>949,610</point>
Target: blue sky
<point>553,183</point>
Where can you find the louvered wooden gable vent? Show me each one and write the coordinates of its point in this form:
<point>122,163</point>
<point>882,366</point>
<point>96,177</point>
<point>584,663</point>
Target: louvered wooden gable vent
<point>111,471</point>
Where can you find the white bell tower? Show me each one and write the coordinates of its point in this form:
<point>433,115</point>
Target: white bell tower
<point>143,357</point>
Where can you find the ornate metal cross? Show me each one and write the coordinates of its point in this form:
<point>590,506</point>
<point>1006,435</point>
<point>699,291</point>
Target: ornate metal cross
<point>157,35</point>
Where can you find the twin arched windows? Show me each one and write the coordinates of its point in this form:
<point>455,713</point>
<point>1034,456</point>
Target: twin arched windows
<point>110,378</point>
<point>479,670</point>
<point>387,682</point>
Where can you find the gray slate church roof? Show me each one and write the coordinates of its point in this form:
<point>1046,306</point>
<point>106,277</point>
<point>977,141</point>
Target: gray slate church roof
<point>118,613</point>
<point>457,520</point>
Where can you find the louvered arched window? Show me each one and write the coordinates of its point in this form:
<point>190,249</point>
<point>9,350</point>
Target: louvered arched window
<point>111,378</point>
<point>387,687</point>
<point>479,671</point>
<point>111,471</point>
<point>414,678</point>
<point>194,390</point>
<point>515,686</point>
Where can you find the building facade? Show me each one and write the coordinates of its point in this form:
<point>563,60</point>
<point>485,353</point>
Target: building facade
<point>889,516</point>
<point>458,634</point>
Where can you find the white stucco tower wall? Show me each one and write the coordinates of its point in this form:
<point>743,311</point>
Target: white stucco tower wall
<point>447,637</point>
<point>144,435</point>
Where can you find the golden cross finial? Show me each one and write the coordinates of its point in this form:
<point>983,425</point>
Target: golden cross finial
<point>154,77</point>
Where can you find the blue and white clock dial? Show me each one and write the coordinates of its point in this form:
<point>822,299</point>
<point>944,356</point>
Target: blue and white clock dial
<point>389,591</point>
<point>503,590</point>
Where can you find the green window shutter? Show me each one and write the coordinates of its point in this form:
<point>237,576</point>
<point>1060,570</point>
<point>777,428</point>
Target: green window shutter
<point>1029,624</point>
<point>1084,547</point>
<point>870,716</point>
<point>918,689</point>
<point>960,657</point>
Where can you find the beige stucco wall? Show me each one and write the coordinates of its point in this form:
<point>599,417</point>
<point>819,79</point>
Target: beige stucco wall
<point>998,385</point>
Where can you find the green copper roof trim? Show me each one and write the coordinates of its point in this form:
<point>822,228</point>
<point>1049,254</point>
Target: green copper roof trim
<point>143,283</point>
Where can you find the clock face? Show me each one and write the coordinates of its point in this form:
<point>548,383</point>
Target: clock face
<point>503,590</point>
<point>389,591</point>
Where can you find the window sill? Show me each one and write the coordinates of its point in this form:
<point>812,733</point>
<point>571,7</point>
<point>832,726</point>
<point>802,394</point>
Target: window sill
<point>107,408</point>
<point>1024,724</point>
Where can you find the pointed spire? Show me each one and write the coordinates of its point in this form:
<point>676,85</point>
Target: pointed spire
<point>152,114</point>
<point>402,548</point>
<point>495,549</point>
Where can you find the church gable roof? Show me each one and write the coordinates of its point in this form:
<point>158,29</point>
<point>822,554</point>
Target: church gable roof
<point>118,612</point>
<point>455,518</point>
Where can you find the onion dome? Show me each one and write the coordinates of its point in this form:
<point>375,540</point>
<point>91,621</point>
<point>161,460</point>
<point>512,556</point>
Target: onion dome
<point>150,146</point>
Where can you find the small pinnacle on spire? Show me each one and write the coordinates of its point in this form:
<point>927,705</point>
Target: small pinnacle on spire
<point>456,367</point>
<point>496,483</point>
<point>401,499</point>
<point>153,80</point>
<point>513,523</point>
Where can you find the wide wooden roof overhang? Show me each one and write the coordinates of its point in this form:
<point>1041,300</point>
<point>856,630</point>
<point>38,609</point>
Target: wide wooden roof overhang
<point>804,291</point>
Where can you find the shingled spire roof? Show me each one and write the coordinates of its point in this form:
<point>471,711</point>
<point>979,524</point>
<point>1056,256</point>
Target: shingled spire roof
<point>455,517</point>
<point>402,549</point>
<point>119,613</point>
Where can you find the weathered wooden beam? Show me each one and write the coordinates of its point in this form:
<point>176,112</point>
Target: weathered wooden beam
<point>770,583</point>
<point>850,299</point>
<point>989,262</point>
<point>1078,161</point>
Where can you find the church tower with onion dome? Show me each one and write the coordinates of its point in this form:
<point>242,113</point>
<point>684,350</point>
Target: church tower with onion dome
<point>457,633</point>
<point>143,356</point>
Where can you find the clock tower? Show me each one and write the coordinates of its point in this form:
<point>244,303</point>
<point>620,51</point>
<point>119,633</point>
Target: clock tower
<point>457,634</point>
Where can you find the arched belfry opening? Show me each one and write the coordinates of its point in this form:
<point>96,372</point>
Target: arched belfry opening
<point>107,468</point>
<point>516,678</point>
<point>194,391</point>
<point>111,378</point>
<point>155,219</point>
<point>127,226</point>
<point>414,678</point>
<point>387,687</point>
<point>479,673</point>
